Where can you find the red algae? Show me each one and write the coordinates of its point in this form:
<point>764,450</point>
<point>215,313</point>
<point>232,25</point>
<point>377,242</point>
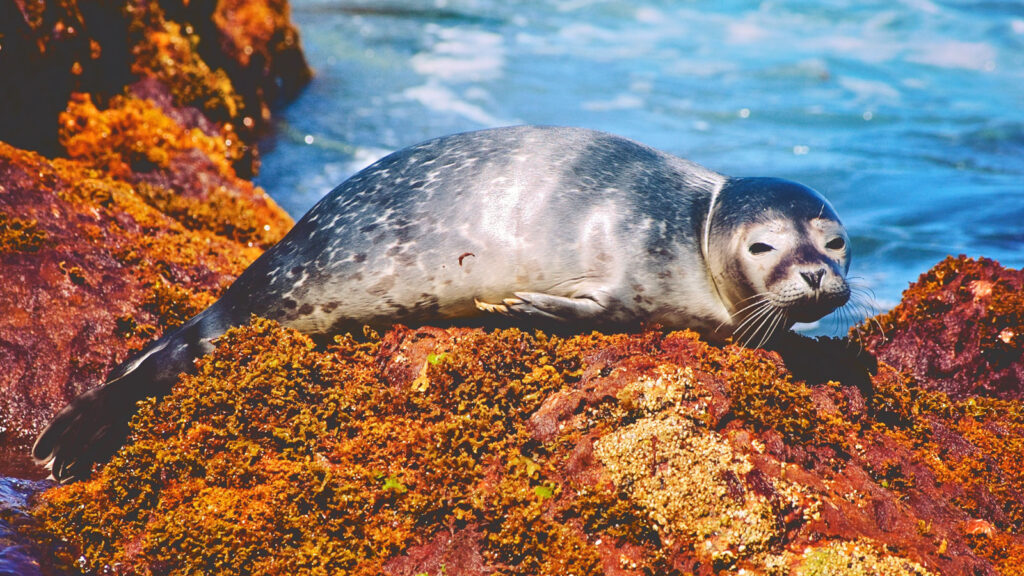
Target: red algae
<point>958,329</point>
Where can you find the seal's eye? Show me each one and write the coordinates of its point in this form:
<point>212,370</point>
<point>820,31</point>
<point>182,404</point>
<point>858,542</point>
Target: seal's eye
<point>836,243</point>
<point>760,248</point>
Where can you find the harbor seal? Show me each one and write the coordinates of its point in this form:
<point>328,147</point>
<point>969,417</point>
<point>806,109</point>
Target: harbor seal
<point>538,225</point>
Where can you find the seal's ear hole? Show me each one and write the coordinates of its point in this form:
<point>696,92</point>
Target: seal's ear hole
<point>760,248</point>
<point>836,243</point>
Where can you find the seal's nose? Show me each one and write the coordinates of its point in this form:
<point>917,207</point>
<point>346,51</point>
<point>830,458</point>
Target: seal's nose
<point>813,279</point>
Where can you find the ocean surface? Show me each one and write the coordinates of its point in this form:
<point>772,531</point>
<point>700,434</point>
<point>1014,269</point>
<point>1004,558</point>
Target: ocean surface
<point>908,115</point>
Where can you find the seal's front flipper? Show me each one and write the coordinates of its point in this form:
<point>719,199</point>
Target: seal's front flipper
<point>537,305</point>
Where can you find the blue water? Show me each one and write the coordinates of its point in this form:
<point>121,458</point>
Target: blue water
<point>908,115</point>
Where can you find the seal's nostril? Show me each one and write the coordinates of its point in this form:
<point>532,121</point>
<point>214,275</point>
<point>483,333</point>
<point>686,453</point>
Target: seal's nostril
<point>813,279</point>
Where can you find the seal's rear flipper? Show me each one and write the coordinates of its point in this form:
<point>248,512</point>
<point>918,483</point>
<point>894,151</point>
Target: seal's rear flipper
<point>94,425</point>
<point>88,430</point>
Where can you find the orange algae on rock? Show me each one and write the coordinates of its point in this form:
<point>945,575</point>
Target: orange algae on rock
<point>19,235</point>
<point>161,50</point>
<point>132,134</point>
<point>465,452</point>
<point>184,172</point>
<point>229,59</point>
<point>292,487</point>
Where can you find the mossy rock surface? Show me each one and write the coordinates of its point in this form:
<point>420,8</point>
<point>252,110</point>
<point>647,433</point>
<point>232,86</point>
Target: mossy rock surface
<point>460,451</point>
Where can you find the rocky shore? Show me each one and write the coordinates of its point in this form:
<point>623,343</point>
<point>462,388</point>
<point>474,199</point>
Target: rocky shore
<point>125,208</point>
<point>125,146</point>
<point>124,143</point>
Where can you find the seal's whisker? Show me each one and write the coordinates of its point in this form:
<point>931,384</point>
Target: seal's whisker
<point>763,297</point>
<point>740,332</point>
<point>859,282</point>
<point>749,298</point>
<point>764,323</point>
<point>779,321</point>
<point>860,309</point>
<point>744,325</point>
<point>737,313</point>
<point>859,288</point>
<point>841,314</point>
<point>758,320</point>
<point>765,319</point>
<point>864,300</point>
<point>849,313</point>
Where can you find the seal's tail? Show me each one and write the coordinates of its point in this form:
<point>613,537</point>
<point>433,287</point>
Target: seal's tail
<point>95,424</point>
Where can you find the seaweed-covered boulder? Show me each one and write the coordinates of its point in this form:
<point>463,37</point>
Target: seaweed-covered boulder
<point>91,270</point>
<point>460,451</point>
<point>958,329</point>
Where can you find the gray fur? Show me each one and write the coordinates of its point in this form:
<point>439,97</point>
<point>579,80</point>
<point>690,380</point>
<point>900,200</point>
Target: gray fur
<point>543,225</point>
<point>559,211</point>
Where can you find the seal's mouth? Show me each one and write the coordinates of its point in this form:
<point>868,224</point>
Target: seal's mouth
<point>757,319</point>
<point>815,306</point>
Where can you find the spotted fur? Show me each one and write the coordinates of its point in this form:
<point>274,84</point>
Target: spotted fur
<point>541,225</point>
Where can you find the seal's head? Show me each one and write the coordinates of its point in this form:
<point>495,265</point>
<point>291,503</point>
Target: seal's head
<point>777,253</point>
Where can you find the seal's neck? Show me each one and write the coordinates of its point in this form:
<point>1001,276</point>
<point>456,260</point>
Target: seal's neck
<point>705,241</point>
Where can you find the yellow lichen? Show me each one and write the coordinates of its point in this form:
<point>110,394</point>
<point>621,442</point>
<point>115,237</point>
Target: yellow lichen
<point>20,235</point>
<point>677,471</point>
<point>858,558</point>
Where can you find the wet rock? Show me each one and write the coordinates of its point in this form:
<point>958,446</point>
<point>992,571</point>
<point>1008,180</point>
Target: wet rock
<point>229,59</point>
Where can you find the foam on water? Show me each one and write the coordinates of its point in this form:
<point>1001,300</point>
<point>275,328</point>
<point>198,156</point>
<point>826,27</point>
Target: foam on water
<point>906,114</point>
